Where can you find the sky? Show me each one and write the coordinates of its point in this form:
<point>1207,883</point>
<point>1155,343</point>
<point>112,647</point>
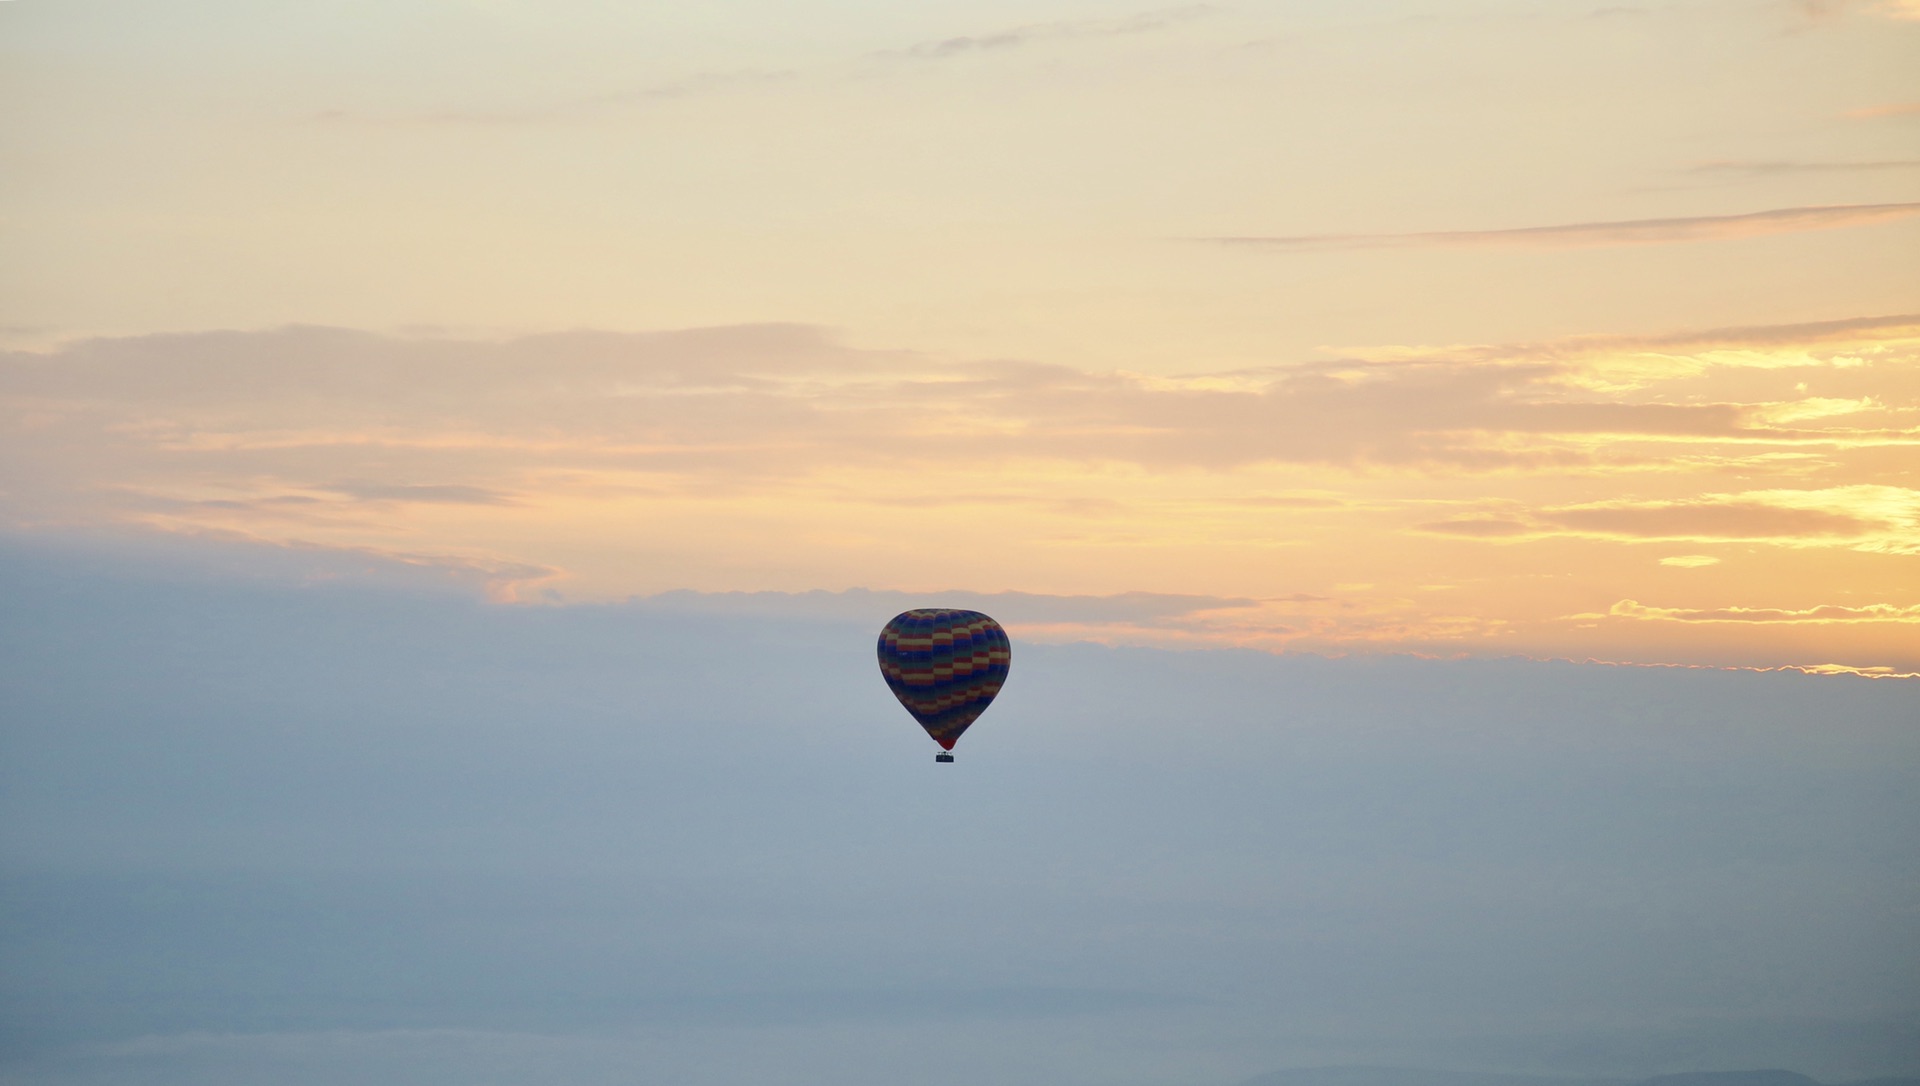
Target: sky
<point>1547,329</point>
<point>1485,431</point>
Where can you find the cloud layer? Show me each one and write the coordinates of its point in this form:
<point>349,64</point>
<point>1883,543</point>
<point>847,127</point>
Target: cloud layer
<point>1870,518</point>
<point>1878,612</point>
<point>313,834</point>
<point>1383,496</point>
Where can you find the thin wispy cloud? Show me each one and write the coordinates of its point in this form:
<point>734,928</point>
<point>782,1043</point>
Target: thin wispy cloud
<point>1826,10</point>
<point>419,421</point>
<point>418,492</point>
<point>1786,220</point>
<point>774,401</point>
<point>701,84</point>
<point>1764,335</point>
<point>1618,362</point>
<point>1769,168</point>
<point>1733,517</point>
<point>1822,615</point>
<point>1015,609</point>
<point>1868,518</point>
<point>963,44</point>
<point>1890,109</point>
<point>1690,561</point>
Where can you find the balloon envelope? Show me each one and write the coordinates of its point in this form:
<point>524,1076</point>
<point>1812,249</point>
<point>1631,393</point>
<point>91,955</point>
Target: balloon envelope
<point>945,666</point>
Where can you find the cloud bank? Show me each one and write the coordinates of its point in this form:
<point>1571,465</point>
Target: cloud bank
<point>317,833</point>
<point>1869,518</point>
<point>1826,614</point>
<point>1416,496</point>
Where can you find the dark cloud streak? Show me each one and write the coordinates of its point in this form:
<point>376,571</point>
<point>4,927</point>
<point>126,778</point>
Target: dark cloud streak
<point>718,82</point>
<point>1600,234</point>
<point>1143,23</point>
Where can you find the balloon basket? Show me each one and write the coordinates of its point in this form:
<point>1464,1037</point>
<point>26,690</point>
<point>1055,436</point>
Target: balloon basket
<point>943,756</point>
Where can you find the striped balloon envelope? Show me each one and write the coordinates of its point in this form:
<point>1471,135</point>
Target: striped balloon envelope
<point>945,666</point>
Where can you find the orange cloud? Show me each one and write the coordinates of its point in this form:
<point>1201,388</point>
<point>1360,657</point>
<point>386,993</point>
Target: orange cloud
<point>1690,561</point>
<point>1482,527</point>
<point>1889,9</point>
<point>325,405</point>
<point>1847,669</point>
<point>1823,615</point>
<point>1763,168</point>
<point>1418,498</point>
<point>1868,517</point>
<point>1891,109</point>
<point>1712,519</point>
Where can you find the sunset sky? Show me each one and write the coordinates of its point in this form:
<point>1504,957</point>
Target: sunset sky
<point>1548,329</point>
<point>1449,469</point>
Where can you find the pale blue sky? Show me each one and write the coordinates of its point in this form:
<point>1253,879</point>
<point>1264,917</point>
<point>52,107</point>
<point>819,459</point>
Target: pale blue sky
<point>327,832</point>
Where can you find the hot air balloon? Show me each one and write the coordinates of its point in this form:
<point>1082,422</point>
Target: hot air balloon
<point>945,666</point>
